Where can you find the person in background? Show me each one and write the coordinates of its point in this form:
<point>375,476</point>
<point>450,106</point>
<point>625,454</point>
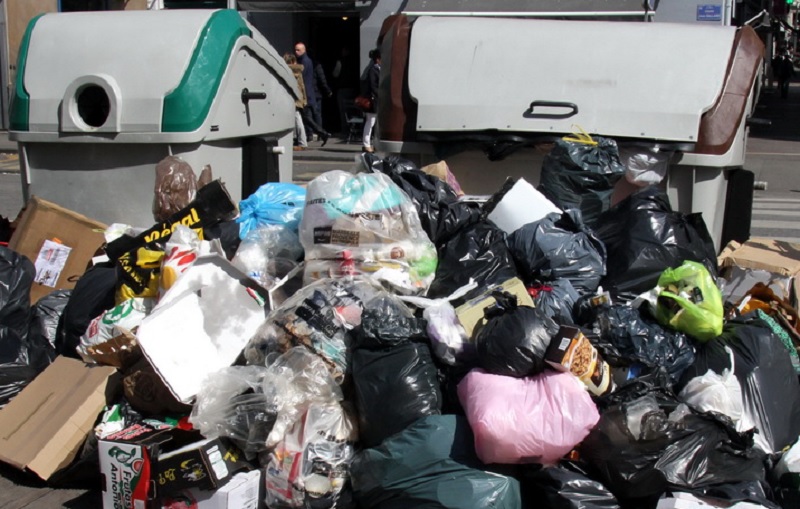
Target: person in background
<point>323,91</point>
<point>301,142</point>
<point>311,94</point>
<point>784,69</point>
<point>370,80</point>
<point>345,79</point>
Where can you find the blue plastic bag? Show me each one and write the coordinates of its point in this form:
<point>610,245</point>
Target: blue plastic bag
<point>272,203</point>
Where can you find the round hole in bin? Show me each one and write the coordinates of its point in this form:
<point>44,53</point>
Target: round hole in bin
<point>93,105</point>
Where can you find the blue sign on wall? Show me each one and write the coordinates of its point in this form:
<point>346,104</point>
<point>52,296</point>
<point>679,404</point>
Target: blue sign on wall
<point>709,13</point>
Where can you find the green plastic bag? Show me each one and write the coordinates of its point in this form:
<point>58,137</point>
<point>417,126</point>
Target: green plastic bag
<point>689,301</point>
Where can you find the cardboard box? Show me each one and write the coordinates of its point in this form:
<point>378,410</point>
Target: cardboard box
<point>241,492</point>
<point>571,351</point>
<point>60,243</point>
<point>129,464</point>
<point>46,424</point>
<point>470,314</point>
<point>141,465</point>
<point>776,256</point>
<point>204,465</point>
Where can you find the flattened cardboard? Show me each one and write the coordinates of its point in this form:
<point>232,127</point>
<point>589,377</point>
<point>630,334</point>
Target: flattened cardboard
<point>776,256</point>
<point>771,255</point>
<point>470,314</point>
<point>44,221</point>
<point>45,425</point>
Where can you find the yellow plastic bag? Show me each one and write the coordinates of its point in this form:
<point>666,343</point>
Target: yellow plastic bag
<point>689,301</point>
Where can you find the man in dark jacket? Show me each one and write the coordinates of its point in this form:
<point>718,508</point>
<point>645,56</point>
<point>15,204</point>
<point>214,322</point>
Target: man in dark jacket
<point>312,94</point>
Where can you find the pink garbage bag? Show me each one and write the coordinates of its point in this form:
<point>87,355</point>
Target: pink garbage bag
<point>526,420</point>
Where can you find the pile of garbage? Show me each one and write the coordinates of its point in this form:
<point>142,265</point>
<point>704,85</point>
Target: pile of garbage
<point>378,340</point>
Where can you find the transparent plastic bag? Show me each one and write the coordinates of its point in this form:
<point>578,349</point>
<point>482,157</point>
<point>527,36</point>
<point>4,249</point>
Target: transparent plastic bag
<point>294,381</point>
<point>232,404</point>
<point>278,203</point>
<point>365,224</point>
<point>318,317</point>
<point>268,253</point>
<point>310,467</point>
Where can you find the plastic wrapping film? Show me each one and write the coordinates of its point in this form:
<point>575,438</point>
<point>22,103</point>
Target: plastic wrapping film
<point>232,404</point>
<point>268,253</point>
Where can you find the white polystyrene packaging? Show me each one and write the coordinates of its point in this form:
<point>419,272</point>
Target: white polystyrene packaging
<point>364,224</point>
<point>526,420</point>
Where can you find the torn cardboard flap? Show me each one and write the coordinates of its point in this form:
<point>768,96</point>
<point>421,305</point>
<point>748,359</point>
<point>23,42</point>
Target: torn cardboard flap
<point>60,242</point>
<point>772,255</point>
<point>775,256</point>
<point>45,425</point>
<point>202,324</point>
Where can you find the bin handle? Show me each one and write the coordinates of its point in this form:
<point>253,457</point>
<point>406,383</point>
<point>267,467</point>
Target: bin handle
<point>529,113</point>
<point>248,96</point>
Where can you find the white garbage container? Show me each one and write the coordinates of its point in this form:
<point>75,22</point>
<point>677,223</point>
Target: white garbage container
<point>101,97</point>
<point>503,87</point>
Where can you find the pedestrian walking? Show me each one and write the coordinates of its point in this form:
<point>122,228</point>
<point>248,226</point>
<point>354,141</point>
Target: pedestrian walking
<point>370,80</point>
<point>311,110</point>
<point>784,70</point>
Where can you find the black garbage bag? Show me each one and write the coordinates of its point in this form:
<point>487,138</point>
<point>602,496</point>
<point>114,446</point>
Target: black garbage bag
<point>770,389</point>
<point>557,299</point>
<point>626,337</point>
<point>644,236</point>
<point>559,247</point>
<point>440,212</point>
<point>394,376</point>
<point>93,294</point>
<point>24,348</point>
<point>564,486</point>
<point>646,443</point>
<point>49,310</point>
<point>477,251</point>
<point>431,464</point>
<point>581,175</point>
<point>514,339</point>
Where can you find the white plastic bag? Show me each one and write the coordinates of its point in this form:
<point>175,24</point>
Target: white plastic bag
<point>449,340</point>
<point>124,317</point>
<point>644,166</point>
<point>717,393</point>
